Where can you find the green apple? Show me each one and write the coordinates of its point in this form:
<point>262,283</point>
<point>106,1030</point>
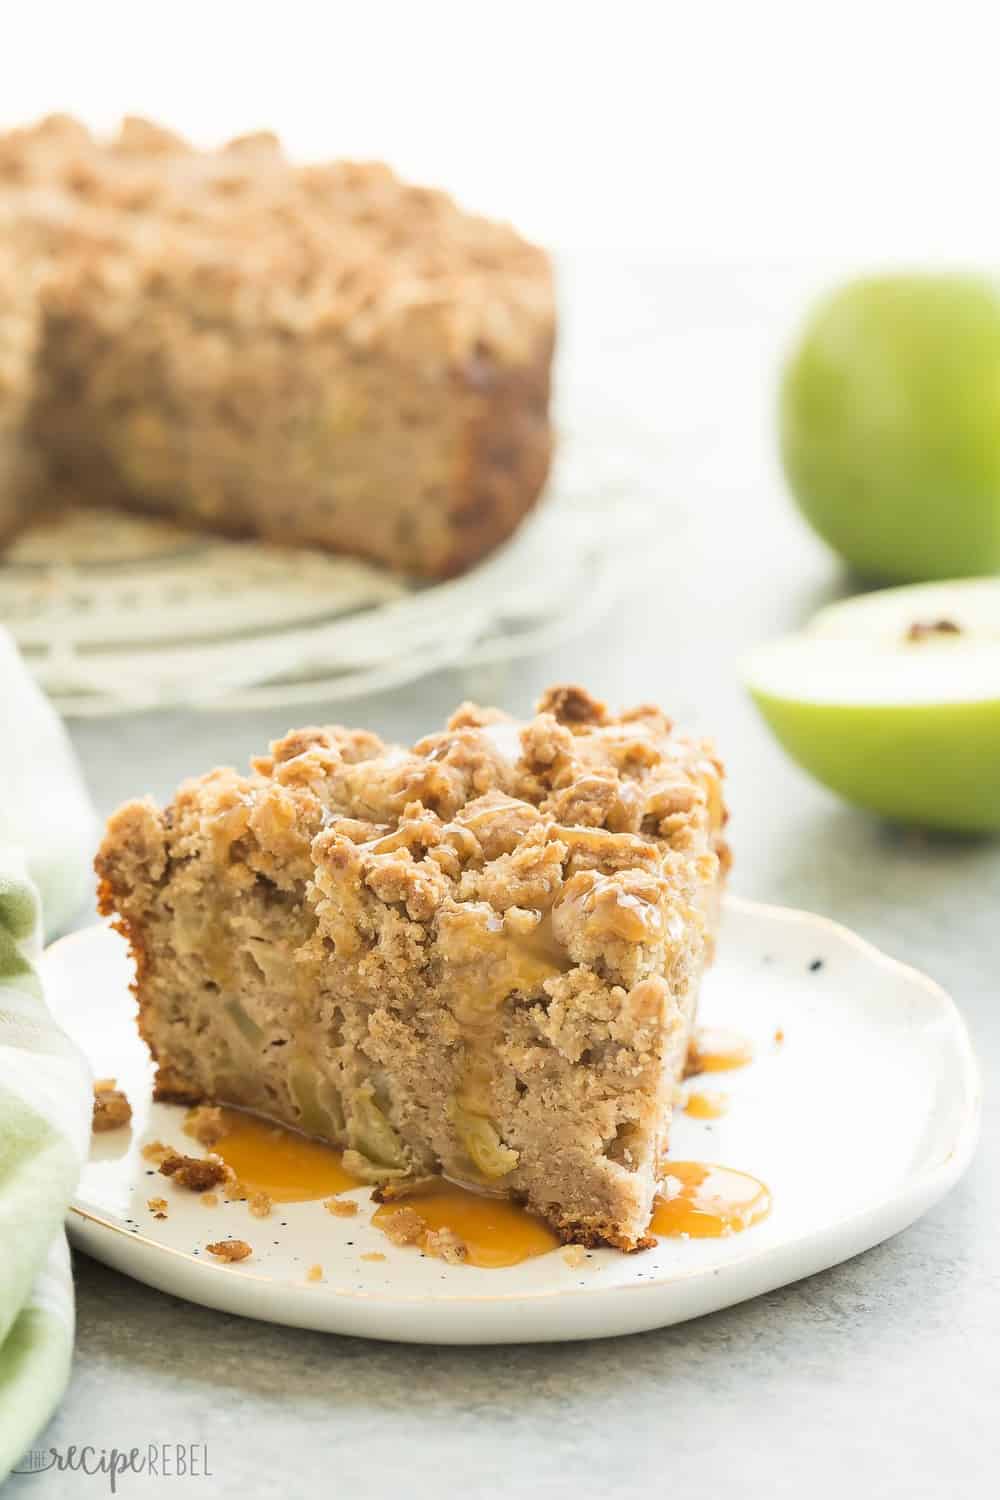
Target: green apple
<point>893,701</point>
<point>890,426</point>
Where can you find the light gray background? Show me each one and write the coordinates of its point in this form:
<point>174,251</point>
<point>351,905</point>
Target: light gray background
<point>880,1376</point>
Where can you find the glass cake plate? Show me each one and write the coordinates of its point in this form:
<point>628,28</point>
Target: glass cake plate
<point>117,613</point>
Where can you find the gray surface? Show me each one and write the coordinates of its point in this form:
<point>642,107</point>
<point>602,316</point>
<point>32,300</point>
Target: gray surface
<point>880,1375</point>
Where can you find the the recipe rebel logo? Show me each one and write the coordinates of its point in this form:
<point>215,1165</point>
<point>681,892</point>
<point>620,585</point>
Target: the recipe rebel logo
<point>157,1460</point>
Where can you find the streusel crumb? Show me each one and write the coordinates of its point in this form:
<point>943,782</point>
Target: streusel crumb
<point>314,1273</point>
<point>156,1151</point>
<point>195,1173</point>
<point>259,1205</point>
<point>157,1206</point>
<point>404,1227</point>
<point>373,1255</point>
<point>112,1111</point>
<point>230,1249</point>
<point>446,1245</point>
<point>341,1208</point>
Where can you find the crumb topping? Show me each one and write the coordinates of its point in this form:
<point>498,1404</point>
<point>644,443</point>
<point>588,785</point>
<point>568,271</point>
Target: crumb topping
<point>343,248</point>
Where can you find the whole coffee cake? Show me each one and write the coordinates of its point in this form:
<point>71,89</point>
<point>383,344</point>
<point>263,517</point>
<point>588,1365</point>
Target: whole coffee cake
<point>317,355</point>
<point>479,957</point>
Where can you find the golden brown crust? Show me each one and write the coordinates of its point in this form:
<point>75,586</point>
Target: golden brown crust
<point>505,459</point>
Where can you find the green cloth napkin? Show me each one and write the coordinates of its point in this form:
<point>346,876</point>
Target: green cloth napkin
<point>44,807</point>
<point>45,1110</point>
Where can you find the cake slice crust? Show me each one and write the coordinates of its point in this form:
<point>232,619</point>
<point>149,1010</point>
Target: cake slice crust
<point>480,956</point>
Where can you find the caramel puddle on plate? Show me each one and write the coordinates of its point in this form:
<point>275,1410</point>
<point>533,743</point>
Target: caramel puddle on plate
<point>706,1106</point>
<point>700,1200</point>
<point>291,1168</point>
<point>288,1167</point>
<point>707,1202</point>
<point>716,1051</point>
<point>495,1231</point>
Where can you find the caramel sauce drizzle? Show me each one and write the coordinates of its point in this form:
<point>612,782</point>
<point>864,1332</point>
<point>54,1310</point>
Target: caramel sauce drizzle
<point>708,1202</point>
<point>713,1050</point>
<point>271,1159</point>
<point>707,1105</point>
<point>494,1232</point>
<point>696,1199</point>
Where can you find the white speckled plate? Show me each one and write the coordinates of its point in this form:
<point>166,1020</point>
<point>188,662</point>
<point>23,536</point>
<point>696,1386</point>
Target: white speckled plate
<point>864,1116</point>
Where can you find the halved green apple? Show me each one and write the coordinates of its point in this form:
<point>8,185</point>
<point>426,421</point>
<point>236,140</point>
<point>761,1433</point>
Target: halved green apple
<point>892,700</point>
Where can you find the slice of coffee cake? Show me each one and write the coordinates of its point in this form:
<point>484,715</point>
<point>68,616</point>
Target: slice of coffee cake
<point>478,957</point>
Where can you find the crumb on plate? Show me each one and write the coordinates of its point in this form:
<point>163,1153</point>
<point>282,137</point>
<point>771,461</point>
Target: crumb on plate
<point>197,1174</point>
<point>404,1226</point>
<point>341,1208</point>
<point>373,1255</point>
<point>260,1205</point>
<point>230,1249</point>
<point>446,1245</point>
<point>314,1273</point>
<point>112,1110</point>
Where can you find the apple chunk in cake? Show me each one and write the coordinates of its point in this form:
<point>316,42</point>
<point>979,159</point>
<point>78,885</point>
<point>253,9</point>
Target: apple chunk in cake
<point>479,957</point>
